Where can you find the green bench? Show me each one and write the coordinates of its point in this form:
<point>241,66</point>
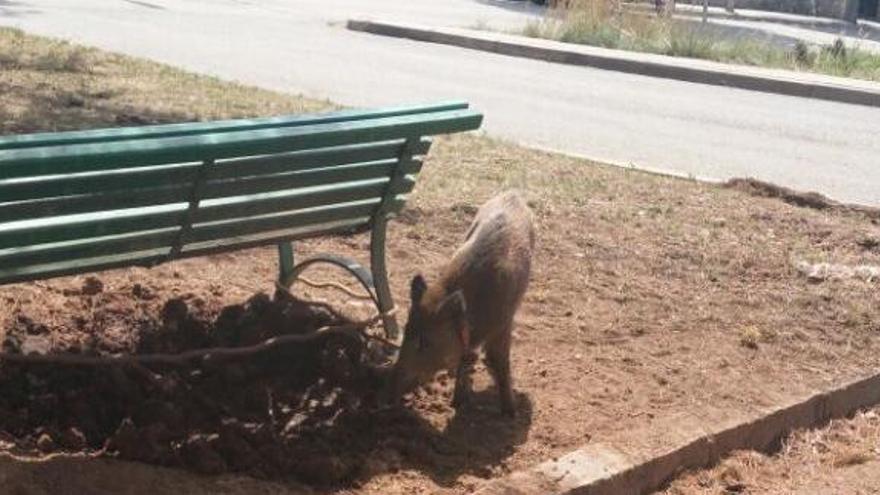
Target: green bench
<point>79,202</point>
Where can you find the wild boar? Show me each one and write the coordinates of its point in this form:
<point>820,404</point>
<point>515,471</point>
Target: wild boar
<point>471,304</point>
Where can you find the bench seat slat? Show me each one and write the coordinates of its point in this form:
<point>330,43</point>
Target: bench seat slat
<point>31,162</point>
<point>193,128</point>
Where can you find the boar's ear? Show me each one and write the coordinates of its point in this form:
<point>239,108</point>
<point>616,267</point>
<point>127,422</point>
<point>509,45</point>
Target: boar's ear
<point>452,306</point>
<point>417,288</point>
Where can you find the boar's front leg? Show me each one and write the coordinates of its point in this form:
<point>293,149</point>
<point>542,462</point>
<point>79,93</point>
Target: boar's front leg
<point>498,361</point>
<point>463,384</point>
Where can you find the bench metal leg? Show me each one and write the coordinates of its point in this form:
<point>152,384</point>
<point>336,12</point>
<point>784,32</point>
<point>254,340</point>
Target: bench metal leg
<point>375,281</point>
<point>380,278</point>
<point>285,261</point>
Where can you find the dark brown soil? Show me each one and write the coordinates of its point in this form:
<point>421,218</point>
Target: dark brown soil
<point>799,198</point>
<point>306,414</point>
<point>260,414</point>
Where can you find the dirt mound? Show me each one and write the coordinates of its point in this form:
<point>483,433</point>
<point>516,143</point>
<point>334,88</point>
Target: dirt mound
<point>812,200</point>
<point>264,415</point>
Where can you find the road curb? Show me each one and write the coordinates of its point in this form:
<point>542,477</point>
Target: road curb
<point>698,71</point>
<point>643,460</point>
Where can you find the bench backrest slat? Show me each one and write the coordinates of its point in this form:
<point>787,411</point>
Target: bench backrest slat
<point>96,183</point>
<point>90,203</point>
<point>265,204</point>
<point>195,128</point>
<point>247,226</point>
<point>94,247</point>
<point>73,194</point>
<point>310,178</point>
<point>318,158</point>
<point>270,237</point>
<point>88,226</point>
<point>145,240</point>
<point>31,162</point>
<point>92,226</point>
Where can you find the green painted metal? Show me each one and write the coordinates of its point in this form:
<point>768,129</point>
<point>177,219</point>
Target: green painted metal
<point>142,241</point>
<point>377,237</point>
<point>54,207</point>
<point>99,226</point>
<point>87,228</point>
<point>240,227</point>
<point>349,265</point>
<point>380,273</point>
<point>404,165</point>
<point>308,178</point>
<point>285,260</point>
<point>311,159</point>
<point>96,183</point>
<point>21,273</point>
<point>193,128</point>
<point>178,191</point>
<point>249,206</point>
<point>89,248</point>
<point>343,193</point>
<point>195,199</point>
<point>31,162</point>
<point>273,237</point>
<point>164,175</point>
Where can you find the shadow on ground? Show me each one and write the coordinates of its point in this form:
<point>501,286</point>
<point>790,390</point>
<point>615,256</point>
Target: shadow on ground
<point>476,441</point>
<point>48,109</point>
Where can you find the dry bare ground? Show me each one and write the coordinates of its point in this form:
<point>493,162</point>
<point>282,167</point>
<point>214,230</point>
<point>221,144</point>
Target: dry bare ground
<point>650,295</point>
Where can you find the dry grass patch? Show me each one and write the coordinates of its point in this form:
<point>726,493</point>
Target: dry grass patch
<point>49,85</point>
<point>839,458</point>
<point>606,23</point>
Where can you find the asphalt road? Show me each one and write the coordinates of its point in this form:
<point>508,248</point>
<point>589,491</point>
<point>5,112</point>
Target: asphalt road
<point>302,46</point>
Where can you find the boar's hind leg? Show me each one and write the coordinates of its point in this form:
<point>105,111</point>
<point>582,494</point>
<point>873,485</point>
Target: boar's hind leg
<point>463,379</point>
<point>498,360</point>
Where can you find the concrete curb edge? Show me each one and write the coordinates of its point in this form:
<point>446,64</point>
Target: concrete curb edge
<point>642,64</point>
<point>645,459</point>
